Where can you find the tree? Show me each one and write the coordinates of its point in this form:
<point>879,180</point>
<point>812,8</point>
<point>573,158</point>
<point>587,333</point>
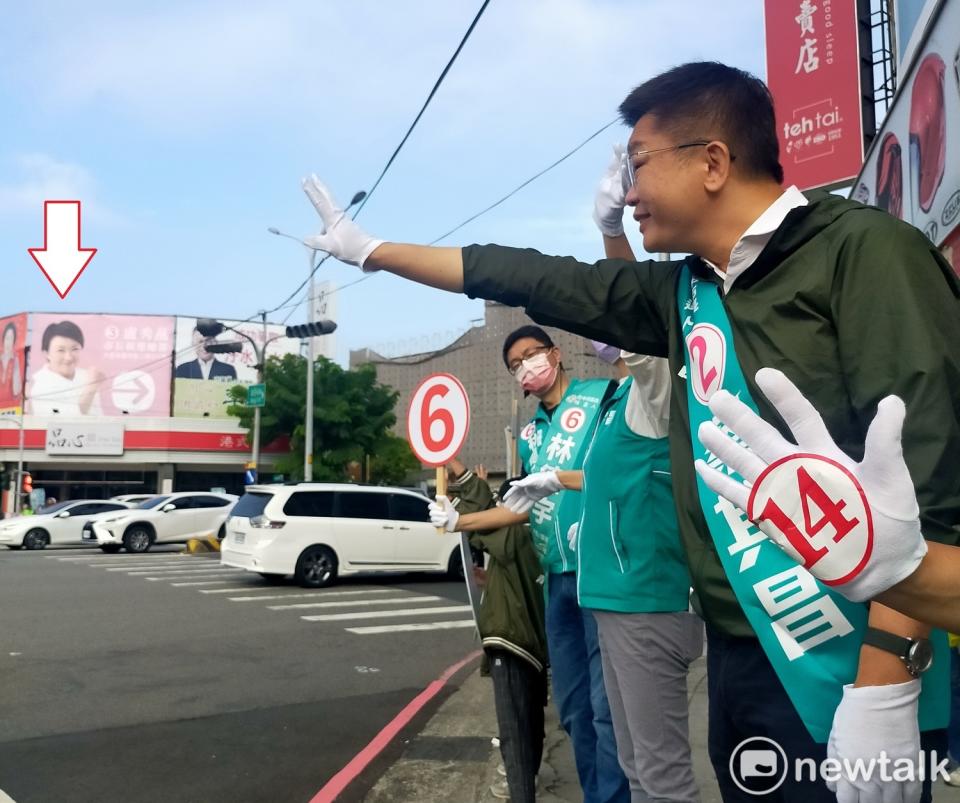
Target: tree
<point>352,416</point>
<point>392,462</point>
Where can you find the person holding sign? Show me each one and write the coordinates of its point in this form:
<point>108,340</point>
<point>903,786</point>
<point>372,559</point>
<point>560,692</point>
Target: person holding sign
<point>852,304</point>
<point>557,437</point>
<point>511,625</point>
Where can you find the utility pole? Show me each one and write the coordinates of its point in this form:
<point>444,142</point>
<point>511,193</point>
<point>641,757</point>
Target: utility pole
<point>311,356</point>
<point>23,405</point>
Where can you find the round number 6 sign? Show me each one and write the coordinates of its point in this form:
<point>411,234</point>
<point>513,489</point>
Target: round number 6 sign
<point>438,419</point>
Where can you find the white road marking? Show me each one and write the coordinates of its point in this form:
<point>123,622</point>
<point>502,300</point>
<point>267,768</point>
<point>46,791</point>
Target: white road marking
<point>369,631</point>
<point>308,594</point>
<point>166,577</point>
<point>181,572</point>
<point>333,617</point>
<point>344,603</point>
<point>209,583</point>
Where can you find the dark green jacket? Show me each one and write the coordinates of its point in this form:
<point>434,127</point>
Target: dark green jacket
<point>511,613</point>
<point>851,303</point>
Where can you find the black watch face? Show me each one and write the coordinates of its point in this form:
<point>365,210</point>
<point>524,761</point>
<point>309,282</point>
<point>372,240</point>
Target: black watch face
<point>920,656</point>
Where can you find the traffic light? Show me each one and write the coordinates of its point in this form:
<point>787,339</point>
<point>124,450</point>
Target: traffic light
<point>231,347</point>
<point>208,327</point>
<point>26,483</point>
<point>314,329</point>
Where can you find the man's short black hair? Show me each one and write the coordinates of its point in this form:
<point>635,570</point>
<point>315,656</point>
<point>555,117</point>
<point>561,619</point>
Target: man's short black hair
<point>519,334</point>
<point>66,329</point>
<point>709,100</point>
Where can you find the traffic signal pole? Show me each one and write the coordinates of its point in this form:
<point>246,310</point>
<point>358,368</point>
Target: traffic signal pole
<point>308,412</point>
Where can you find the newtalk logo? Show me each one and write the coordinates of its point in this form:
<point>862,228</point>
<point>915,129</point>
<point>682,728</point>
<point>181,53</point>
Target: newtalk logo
<point>759,766</point>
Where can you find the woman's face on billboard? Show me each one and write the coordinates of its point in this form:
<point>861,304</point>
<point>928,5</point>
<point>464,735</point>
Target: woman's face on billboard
<point>63,356</point>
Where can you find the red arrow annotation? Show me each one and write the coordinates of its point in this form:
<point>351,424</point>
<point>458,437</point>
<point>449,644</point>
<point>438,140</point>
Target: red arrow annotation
<point>61,259</point>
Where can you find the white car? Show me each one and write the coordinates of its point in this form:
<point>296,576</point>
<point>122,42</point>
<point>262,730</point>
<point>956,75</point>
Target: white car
<point>61,523</point>
<point>133,499</point>
<point>165,519</point>
<point>317,531</point>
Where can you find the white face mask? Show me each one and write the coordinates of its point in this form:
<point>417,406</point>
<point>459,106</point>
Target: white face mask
<point>536,374</point>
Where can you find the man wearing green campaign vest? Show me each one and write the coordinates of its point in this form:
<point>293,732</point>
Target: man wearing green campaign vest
<point>632,574</point>
<point>557,437</point>
<point>852,305</point>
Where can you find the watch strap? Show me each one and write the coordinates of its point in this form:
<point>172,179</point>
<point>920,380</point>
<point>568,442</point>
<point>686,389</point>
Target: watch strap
<point>889,642</point>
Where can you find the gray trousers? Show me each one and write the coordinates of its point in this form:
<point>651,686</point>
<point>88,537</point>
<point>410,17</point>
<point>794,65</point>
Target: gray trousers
<point>646,657</point>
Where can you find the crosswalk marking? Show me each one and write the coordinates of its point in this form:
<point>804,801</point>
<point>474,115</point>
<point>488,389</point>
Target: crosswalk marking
<point>344,603</point>
<point>176,572</point>
<point>408,628</point>
<point>194,575</point>
<point>323,594</point>
<point>236,586</point>
<point>159,567</point>
<point>335,617</point>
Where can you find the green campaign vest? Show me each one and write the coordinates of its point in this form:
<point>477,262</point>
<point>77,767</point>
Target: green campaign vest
<point>559,441</point>
<point>810,633</point>
<point>629,555</point>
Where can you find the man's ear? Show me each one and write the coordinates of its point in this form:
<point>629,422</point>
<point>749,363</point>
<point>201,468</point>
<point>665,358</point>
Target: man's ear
<point>717,166</point>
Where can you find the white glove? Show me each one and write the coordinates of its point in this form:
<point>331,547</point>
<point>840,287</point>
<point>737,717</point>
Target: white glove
<point>611,196</point>
<point>525,493</point>
<point>341,237</point>
<point>872,722</point>
<point>443,515</point>
<point>572,536</point>
<point>858,540</point>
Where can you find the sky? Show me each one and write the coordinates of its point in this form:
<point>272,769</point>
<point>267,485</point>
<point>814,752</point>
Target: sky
<point>184,129</point>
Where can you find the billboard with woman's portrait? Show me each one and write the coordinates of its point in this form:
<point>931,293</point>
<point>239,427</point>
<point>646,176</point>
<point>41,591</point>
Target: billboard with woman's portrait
<point>99,365</point>
<point>12,342</point>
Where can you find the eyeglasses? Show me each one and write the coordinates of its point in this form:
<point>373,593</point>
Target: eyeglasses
<point>630,167</point>
<point>515,366</point>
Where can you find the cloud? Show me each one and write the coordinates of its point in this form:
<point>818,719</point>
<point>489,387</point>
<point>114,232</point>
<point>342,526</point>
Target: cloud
<point>42,178</point>
<point>361,67</point>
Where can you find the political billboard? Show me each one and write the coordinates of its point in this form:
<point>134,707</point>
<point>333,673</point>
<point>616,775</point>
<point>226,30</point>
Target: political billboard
<point>92,364</point>
<point>12,342</point>
<point>202,379</point>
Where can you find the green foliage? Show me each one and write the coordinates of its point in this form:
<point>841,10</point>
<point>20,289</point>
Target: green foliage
<point>352,416</point>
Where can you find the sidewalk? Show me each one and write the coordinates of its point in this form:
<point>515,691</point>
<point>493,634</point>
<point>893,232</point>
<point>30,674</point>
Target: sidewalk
<point>452,759</point>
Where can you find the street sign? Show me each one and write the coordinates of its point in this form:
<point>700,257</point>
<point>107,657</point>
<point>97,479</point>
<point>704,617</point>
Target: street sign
<point>256,395</point>
<point>250,476</point>
<point>438,419</point>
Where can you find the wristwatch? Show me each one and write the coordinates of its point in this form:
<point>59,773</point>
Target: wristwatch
<point>916,654</point>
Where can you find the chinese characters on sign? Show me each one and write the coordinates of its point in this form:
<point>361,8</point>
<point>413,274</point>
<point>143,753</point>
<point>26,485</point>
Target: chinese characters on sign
<point>813,74</point>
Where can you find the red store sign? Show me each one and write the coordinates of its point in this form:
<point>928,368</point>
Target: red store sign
<point>813,72</point>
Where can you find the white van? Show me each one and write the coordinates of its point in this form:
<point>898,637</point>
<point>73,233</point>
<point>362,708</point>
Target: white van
<point>319,531</point>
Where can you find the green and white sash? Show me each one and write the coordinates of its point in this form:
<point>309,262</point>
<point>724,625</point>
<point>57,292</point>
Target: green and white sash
<point>811,634</point>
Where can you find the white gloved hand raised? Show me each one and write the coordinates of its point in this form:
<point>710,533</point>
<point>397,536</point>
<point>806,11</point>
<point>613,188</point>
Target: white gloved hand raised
<point>526,492</point>
<point>572,533</point>
<point>870,723</point>
<point>341,237</point>
<point>611,196</point>
<point>854,526</point>
<point>443,515</point>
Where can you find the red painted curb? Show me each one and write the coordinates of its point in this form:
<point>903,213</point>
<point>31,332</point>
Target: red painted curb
<point>361,760</point>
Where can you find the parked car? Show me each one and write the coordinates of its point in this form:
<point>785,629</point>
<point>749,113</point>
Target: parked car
<point>61,523</point>
<point>165,519</point>
<point>319,531</point>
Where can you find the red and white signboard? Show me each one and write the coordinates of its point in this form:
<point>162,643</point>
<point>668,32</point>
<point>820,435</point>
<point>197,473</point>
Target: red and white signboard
<point>438,419</point>
<point>813,71</point>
